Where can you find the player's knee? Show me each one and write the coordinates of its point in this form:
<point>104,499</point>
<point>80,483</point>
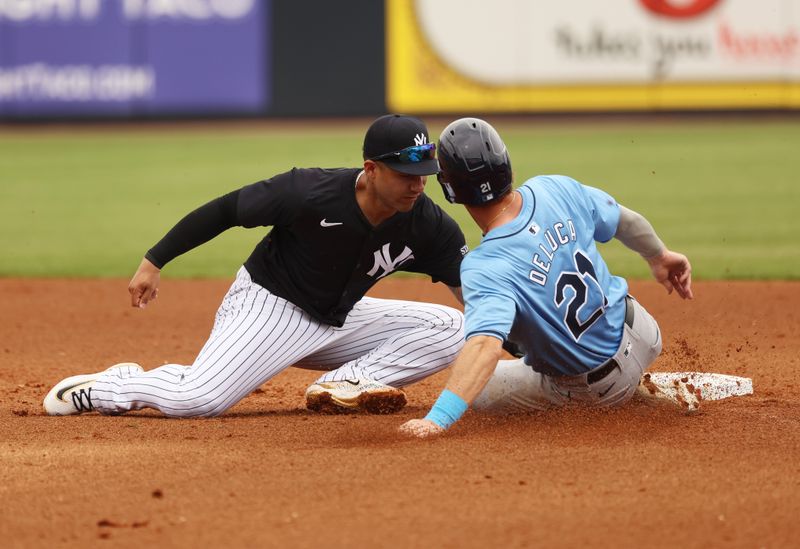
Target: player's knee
<point>212,407</point>
<point>452,320</point>
<point>198,405</point>
<point>447,336</point>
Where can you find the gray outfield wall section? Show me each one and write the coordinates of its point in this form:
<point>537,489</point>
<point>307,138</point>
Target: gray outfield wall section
<point>328,58</point>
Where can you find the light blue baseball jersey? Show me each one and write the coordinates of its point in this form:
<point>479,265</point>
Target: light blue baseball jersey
<point>540,282</point>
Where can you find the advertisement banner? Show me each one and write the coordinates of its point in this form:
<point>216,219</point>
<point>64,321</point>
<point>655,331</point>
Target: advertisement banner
<point>539,55</point>
<point>121,57</point>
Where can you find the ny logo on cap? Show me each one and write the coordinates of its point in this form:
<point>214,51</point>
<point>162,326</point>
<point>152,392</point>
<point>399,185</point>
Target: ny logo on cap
<point>420,139</point>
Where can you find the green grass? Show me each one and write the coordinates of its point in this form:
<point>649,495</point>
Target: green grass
<point>91,202</point>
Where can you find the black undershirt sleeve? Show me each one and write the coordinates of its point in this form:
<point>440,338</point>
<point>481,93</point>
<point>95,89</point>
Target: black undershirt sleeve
<point>197,228</point>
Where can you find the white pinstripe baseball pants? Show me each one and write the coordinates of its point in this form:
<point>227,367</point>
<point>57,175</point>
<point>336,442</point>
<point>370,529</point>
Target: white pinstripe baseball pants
<point>257,335</point>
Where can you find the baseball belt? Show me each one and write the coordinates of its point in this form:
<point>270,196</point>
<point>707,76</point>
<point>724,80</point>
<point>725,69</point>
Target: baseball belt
<point>608,366</point>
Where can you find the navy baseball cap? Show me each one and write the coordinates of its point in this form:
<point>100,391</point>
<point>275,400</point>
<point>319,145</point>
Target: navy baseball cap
<point>401,142</point>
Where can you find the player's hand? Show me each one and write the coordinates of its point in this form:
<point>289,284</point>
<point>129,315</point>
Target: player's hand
<point>420,428</point>
<point>674,272</point>
<point>143,286</point>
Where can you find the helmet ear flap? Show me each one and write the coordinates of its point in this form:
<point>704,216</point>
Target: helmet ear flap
<point>474,164</point>
<point>447,189</point>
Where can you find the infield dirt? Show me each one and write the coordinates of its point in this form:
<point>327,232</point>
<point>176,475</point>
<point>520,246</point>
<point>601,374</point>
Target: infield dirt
<point>271,474</point>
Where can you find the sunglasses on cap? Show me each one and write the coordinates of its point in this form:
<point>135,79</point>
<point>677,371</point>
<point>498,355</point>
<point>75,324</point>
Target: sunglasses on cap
<point>410,155</point>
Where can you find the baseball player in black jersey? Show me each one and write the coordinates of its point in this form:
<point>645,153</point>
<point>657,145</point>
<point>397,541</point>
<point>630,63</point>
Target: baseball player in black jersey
<point>300,297</point>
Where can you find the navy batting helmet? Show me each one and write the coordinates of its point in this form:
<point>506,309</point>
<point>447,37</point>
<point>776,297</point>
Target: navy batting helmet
<point>473,163</point>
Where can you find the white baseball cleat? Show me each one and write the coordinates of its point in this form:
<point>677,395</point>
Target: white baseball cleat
<point>365,395</point>
<point>73,395</point>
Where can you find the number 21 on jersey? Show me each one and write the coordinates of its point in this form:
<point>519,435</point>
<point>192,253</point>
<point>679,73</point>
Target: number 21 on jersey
<point>586,294</point>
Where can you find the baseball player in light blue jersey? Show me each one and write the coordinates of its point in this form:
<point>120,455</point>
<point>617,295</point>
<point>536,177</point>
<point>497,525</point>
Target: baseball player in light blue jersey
<point>538,283</point>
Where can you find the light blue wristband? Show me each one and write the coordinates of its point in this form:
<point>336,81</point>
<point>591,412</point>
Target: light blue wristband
<point>448,409</point>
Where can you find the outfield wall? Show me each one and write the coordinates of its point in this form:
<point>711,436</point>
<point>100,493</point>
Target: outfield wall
<point>127,58</point>
<point>155,58</point>
<point>583,55</point>
<point>255,58</point>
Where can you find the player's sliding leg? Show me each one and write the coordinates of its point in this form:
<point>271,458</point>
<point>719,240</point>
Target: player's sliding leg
<point>256,335</point>
<point>515,386</point>
<point>386,345</point>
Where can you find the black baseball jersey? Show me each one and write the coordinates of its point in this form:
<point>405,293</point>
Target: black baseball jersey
<point>322,254</point>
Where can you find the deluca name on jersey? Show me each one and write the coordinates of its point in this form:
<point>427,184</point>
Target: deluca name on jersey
<point>561,233</point>
<point>383,260</point>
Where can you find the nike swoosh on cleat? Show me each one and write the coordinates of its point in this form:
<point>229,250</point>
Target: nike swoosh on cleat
<point>325,223</point>
<point>353,382</point>
<point>65,389</point>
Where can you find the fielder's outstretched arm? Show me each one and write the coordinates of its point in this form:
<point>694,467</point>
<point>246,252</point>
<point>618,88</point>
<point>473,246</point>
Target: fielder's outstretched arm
<point>671,269</point>
<point>194,229</point>
<point>474,366</point>
<point>143,287</point>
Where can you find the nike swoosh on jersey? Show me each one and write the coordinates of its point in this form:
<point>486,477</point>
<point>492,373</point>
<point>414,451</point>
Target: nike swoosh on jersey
<point>324,223</point>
